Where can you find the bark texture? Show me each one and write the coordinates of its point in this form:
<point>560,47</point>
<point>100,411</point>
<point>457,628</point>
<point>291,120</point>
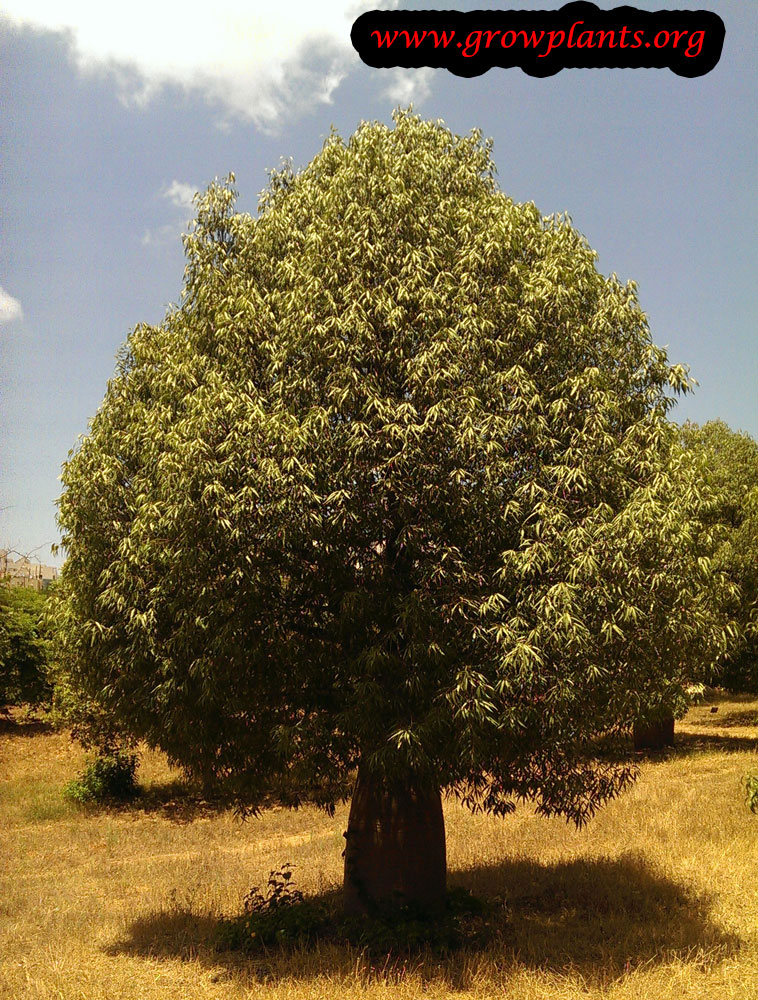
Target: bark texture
<point>654,736</point>
<point>395,851</point>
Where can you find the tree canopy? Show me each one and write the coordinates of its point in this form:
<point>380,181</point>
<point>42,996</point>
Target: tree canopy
<point>23,647</point>
<point>393,488</point>
<point>730,468</point>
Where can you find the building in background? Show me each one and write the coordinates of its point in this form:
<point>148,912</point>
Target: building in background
<point>22,572</point>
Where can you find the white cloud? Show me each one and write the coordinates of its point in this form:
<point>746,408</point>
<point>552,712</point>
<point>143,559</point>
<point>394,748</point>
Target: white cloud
<point>409,86</point>
<point>259,61</point>
<point>162,236</point>
<point>181,195</point>
<point>10,308</point>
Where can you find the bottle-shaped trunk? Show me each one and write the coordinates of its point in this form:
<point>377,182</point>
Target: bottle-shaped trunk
<point>654,735</point>
<point>395,851</point>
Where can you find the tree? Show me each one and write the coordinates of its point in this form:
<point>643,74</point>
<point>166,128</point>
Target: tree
<point>653,727</point>
<point>391,494</point>
<point>729,461</point>
<point>23,647</point>
<point>719,596</point>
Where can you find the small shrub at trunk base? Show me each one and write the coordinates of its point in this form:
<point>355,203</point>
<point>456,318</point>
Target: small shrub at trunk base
<point>284,918</point>
<point>279,918</point>
<point>109,777</point>
<point>281,892</point>
<point>751,789</point>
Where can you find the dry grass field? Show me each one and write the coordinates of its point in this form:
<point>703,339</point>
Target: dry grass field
<point>657,899</point>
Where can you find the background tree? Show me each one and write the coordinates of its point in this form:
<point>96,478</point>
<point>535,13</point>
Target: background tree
<point>23,647</point>
<point>389,494</point>
<point>718,597</point>
<point>729,462</point>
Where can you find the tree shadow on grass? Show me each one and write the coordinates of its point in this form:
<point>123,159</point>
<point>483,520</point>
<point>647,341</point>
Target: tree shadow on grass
<point>686,743</point>
<point>15,724</point>
<point>182,802</point>
<point>598,918</point>
<point>177,801</point>
<point>730,719</point>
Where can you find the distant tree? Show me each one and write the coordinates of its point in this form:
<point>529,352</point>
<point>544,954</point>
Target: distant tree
<point>389,505</point>
<point>730,467</point>
<point>654,726</point>
<point>23,647</point>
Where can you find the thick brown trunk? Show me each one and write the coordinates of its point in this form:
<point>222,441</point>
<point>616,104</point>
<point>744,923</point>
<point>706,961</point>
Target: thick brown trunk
<point>655,735</point>
<point>395,852</point>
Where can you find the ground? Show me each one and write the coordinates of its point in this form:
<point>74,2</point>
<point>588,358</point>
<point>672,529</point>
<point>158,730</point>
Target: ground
<point>656,898</point>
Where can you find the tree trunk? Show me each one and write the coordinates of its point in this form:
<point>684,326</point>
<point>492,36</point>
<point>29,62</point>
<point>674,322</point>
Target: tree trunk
<point>655,735</point>
<point>395,851</point>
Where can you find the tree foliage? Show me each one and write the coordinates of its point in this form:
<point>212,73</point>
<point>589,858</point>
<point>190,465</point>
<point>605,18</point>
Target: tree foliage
<point>729,464</point>
<point>393,485</point>
<point>23,647</point>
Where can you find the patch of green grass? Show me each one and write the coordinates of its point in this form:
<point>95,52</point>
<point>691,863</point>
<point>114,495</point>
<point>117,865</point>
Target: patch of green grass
<point>48,808</point>
<point>33,801</point>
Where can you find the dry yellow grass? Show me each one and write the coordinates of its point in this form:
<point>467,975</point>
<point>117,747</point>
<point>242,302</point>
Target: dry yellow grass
<point>657,898</point>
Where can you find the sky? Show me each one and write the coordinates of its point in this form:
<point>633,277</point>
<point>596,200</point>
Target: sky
<point>113,116</point>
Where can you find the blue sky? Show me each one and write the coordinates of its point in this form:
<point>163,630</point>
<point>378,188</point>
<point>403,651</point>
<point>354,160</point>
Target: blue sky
<point>112,116</point>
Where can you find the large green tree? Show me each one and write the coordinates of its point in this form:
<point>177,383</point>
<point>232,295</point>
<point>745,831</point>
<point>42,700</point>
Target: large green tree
<point>389,505</point>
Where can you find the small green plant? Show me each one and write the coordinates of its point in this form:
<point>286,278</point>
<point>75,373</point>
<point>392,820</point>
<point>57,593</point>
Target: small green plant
<point>109,777</point>
<point>281,892</point>
<point>280,917</point>
<point>751,790</point>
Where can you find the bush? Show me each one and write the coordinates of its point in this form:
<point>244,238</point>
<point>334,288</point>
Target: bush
<point>751,790</point>
<point>280,917</point>
<point>107,778</point>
